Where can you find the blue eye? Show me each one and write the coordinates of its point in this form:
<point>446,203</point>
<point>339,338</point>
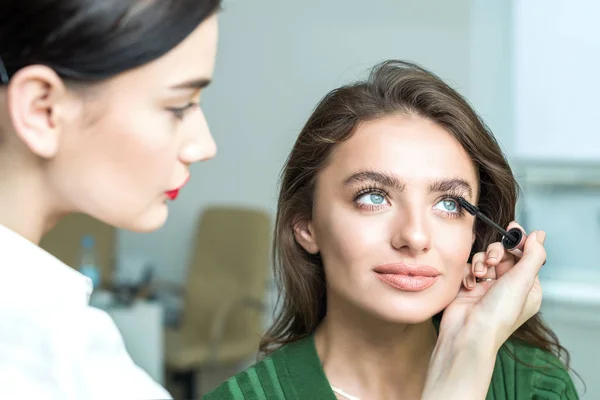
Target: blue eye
<point>371,199</point>
<point>449,206</point>
<point>376,198</point>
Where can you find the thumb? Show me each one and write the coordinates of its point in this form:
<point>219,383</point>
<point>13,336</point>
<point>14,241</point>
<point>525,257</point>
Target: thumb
<point>534,255</point>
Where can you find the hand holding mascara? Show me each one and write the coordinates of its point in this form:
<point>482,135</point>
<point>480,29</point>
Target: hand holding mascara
<point>513,240</point>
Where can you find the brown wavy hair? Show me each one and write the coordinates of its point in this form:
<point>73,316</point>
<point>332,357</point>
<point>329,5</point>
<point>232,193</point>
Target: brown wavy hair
<point>392,88</point>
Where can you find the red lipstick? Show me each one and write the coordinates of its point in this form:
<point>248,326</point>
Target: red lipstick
<point>172,194</point>
<point>408,278</point>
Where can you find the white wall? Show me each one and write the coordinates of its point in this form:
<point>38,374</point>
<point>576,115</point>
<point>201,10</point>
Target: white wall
<point>277,59</point>
<point>490,74</point>
<point>556,79</point>
<point>556,85</point>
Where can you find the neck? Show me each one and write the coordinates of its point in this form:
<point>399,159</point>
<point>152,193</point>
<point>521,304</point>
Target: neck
<point>24,204</point>
<point>374,359</point>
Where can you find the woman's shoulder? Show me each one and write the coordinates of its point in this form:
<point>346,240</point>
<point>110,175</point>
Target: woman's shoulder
<point>526,372</point>
<point>262,376</point>
<point>291,372</point>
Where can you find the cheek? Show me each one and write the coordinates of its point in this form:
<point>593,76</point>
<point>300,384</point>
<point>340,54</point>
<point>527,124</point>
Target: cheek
<point>348,239</point>
<point>126,160</point>
<point>454,247</point>
<point>139,153</point>
<point>142,146</point>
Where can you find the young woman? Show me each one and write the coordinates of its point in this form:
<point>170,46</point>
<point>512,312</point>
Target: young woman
<point>99,114</point>
<point>380,266</point>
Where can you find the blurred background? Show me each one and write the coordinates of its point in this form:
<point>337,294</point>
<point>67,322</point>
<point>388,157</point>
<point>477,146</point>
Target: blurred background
<point>192,298</point>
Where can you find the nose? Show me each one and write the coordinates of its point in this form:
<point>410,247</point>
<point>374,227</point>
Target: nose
<point>410,231</point>
<point>199,144</point>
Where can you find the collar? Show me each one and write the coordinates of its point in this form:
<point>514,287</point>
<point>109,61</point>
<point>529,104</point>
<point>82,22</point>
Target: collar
<point>32,277</point>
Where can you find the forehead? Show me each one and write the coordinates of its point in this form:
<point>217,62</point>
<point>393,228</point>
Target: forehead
<point>195,55</point>
<point>411,147</point>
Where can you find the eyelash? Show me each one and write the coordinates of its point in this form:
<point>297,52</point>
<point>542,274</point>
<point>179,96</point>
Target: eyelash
<point>180,112</point>
<point>452,195</point>
<point>366,190</point>
<point>460,211</point>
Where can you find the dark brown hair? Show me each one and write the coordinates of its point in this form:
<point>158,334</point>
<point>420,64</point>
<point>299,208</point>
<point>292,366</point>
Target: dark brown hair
<point>393,87</point>
<point>89,41</point>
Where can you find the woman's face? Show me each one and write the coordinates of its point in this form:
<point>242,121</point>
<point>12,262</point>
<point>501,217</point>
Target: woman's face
<point>133,138</point>
<point>393,241</point>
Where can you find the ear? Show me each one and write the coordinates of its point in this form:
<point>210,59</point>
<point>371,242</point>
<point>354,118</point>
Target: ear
<point>469,280</point>
<point>34,97</point>
<point>305,235</point>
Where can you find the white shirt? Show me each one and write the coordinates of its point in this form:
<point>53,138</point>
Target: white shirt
<point>53,345</point>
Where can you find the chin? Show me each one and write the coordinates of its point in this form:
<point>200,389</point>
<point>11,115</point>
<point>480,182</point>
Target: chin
<point>410,311</point>
<point>146,222</point>
<point>408,318</point>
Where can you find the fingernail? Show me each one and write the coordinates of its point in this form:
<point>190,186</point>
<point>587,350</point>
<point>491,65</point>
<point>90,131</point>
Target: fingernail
<point>466,283</point>
<point>533,236</point>
<point>541,236</point>
<point>471,282</point>
<point>478,267</point>
<point>492,254</point>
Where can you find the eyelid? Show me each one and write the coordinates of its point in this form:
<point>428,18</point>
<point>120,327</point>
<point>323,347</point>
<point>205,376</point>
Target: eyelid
<point>371,207</point>
<point>180,111</point>
<point>187,105</point>
<point>455,194</point>
<point>371,189</point>
<point>460,211</point>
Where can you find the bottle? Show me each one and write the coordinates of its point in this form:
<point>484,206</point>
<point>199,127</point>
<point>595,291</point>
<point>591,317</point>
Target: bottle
<point>88,265</point>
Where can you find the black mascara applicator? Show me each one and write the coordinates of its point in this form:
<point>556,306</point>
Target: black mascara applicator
<point>510,238</point>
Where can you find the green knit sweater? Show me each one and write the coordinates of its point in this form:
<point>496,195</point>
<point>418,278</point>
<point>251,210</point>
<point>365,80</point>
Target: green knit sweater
<point>294,372</point>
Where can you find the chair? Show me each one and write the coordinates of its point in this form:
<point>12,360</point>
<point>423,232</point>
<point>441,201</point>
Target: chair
<point>226,284</point>
<point>64,242</point>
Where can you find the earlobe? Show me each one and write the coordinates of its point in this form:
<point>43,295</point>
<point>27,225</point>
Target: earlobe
<point>304,234</point>
<point>33,97</point>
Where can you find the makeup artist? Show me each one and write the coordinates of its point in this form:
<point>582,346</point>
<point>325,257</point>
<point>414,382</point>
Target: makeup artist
<point>384,274</point>
<point>99,114</point>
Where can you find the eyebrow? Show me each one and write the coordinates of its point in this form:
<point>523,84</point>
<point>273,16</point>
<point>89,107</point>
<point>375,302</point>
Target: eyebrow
<point>196,84</point>
<point>451,184</point>
<point>391,180</point>
<point>382,178</point>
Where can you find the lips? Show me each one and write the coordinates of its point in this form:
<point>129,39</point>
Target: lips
<point>172,194</point>
<point>409,278</point>
<point>405,269</point>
